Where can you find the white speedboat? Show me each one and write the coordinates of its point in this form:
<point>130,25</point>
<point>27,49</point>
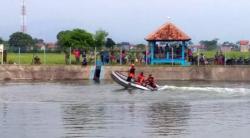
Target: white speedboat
<point>122,80</point>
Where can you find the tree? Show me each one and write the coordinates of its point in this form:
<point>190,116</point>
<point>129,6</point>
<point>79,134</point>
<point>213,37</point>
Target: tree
<point>38,41</point>
<point>5,43</point>
<point>76,38</point>
<point>1,41</point>
<point>190,43</point>
<point>210,45</point>
<point>110,43</point>
<point>22,40</point>
<point>141,46</point>
<point>99,38</point>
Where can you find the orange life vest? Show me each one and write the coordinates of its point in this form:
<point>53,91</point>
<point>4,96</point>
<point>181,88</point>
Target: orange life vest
<point>140,79</point>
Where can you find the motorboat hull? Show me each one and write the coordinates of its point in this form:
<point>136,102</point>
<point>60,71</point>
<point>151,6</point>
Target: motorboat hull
<point>122,80</point>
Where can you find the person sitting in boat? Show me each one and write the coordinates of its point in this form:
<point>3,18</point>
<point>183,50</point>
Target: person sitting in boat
<point>131,72</point>
<point>141,79</point>
<point>151,81</point>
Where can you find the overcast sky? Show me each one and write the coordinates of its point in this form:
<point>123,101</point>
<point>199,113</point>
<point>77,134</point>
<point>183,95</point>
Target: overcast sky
<point>129,20</point>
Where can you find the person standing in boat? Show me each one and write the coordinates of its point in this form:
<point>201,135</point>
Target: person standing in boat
<point>131,73</point>
<point>141,79</point>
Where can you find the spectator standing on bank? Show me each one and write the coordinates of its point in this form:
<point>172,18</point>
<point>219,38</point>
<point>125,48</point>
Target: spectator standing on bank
<point>84,57</point>
<point>77,55</point>
<point>216,58</point>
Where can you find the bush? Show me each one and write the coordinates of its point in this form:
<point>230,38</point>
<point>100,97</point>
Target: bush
<point>11,61</point>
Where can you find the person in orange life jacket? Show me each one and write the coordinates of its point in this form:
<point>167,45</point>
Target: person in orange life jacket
<point>131,72</point>
<point>140,79</point>
<point>151,81</point>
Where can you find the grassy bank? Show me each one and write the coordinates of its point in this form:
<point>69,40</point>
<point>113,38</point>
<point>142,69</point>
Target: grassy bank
<point>58,58</point>
<point>232,54</point>
<point>26,58</point>
<point>48,59</point>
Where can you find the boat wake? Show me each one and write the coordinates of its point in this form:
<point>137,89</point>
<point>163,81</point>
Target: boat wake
<point>207,89</point>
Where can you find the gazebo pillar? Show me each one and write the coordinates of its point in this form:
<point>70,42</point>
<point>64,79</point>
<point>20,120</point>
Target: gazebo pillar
<point>152,47</point>
<point>183,52</point>
<point>184,45</point>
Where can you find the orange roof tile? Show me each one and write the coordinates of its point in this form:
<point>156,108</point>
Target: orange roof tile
<point>168,32</point>
<point>244,42</point>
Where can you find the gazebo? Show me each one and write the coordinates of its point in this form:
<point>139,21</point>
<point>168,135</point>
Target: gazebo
<point>168,45</point>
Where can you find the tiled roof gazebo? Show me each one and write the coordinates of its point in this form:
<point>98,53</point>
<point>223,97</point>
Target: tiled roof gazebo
<point>175,44</point>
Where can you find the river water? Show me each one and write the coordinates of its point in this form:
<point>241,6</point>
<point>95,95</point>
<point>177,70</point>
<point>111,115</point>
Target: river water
<point>88,109</point>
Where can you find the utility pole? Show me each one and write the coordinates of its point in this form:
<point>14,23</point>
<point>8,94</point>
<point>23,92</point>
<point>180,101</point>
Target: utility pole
<point>23,15</point>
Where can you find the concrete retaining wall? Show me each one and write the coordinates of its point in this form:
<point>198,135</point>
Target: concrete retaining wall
<point>61,72</point>
<point>213,73</point>
<point>28,72</point>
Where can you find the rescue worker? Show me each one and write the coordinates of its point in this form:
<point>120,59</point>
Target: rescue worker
<point>131,73</point>
<point>140,79</point>
<point>151,81</point>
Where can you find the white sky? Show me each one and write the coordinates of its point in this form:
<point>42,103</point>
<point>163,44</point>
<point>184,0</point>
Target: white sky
<point>130,20</point>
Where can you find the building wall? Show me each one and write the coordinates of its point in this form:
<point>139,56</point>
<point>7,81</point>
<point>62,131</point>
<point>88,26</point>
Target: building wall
<point>226,49</point>
<point>244,48</point>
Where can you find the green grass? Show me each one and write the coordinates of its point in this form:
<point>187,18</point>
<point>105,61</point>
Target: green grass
<point>232,54</point>
<point>50,58</point>
<point>26,58</point>
<point>58,58</point>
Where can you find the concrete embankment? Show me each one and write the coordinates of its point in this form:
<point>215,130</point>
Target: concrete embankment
<point>61,72</point>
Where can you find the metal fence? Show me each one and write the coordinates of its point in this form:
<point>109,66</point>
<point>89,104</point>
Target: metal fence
<point>106,57</point>
<point>73,56</point>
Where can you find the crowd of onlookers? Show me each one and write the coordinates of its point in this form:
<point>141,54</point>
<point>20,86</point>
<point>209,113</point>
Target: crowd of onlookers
<point>122,57</point>
<point>85,57</point>
<point>141,57</point>
<point>168,52</point>
<point>78,53</point>
<point>218,59</point>
<point>107,57</point>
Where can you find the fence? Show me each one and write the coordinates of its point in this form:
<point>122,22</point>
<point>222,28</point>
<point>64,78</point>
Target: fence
<point>108,57</point>
<point>73,56</point>
<point>2,53</point>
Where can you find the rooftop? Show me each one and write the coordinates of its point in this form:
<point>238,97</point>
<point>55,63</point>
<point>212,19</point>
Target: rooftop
<point>168,32</point>
<point>244,42</point>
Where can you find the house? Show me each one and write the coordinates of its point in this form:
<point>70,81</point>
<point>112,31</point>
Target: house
<point>126,45</point>
<point>51,46</point>
<point>244,45</point>
<point>227,47</point>
<point>40,46</point>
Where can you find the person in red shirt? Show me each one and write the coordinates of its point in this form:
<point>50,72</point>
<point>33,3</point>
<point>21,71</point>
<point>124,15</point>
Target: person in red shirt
<point>141,79</point>
<point>77,55</point>
<point>131,72</point>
